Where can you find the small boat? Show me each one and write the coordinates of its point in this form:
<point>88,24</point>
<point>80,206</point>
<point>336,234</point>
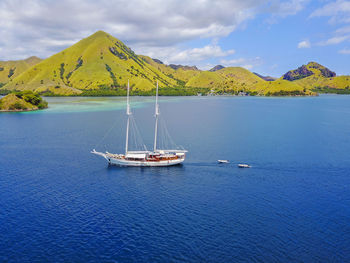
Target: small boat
<point>223,161</point>
<point>241,165</point>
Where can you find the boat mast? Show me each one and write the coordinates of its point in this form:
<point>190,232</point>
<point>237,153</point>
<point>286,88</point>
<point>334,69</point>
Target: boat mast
<point>156,125</point>
<point>128,112</point>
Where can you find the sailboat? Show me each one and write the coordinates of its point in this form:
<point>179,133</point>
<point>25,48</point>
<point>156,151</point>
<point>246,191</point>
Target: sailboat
<point>157,157</point>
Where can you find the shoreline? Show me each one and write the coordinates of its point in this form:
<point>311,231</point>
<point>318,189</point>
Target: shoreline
<point>243,94</point>
<point>221,95</point>
<point>22,110</point>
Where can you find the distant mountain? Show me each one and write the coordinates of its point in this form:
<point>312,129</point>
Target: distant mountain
<point>177,72</point>
<point>267,78</point>
<point>307,70</point>
<point>98,64</point>
<point>234,80</point>
<point>102,65</point>
<point>230,80</point>
<point>318,78</point>
<point>216,68</point>
<point>173,66</point>
<point>157,61</point>
<point>11,69</point>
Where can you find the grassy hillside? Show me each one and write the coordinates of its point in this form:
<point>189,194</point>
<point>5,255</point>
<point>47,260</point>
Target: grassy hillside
<point>228,80</point>
<point>238,78</point>
<point>206,79</point>
<point>320,79</point>
<point>182,74</point>
<point>232,80</point>
<point>22,101</point>
<point>95,64</point>
<point>282,88</point>
<point>101,65</point>
<point>338,84</point>
<point>11,69</point>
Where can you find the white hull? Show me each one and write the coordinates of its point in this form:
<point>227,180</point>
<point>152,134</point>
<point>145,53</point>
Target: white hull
<point>244,165</point>
<point>120,162</point>
<point>144,158</point>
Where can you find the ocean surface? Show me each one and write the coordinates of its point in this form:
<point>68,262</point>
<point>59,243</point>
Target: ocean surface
<point>60,203</point>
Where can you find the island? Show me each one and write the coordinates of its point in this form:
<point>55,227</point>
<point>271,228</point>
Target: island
<point>22,101</point>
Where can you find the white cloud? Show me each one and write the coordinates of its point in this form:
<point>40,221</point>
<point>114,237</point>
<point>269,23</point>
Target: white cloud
<point>174,55</point>
<point>54,42</point>
<point>334,40</point>
<point>292,7</point>
<point>281,9</point>
<point>343,30</point>
<point>344,51</point>
<point>242,62</point>
<point>233,62</point>
<point>304,44</point>
<point>45,27</point>
<point>147,23</point>
<point>338,11</point>
<point>199,54</point>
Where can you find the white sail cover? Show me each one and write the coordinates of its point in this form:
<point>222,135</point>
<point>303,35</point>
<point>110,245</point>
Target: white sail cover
<point>136,155</point>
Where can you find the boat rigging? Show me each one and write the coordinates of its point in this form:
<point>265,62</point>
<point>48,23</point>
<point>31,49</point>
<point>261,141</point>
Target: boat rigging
<point>157,157</point>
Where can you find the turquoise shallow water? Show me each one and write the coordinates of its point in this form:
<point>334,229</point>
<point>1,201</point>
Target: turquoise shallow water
<point>93,104</point>
<point>60,203</point>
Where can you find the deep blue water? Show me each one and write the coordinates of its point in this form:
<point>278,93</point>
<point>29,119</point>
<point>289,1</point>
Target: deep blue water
<point>59,203</point>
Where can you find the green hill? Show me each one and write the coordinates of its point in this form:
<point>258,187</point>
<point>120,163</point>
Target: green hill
<point>22,101</point>
<point>101,65</point>
<point>97,64</point>
<point>230,78</point>
<point>311,69</point>
<point>206,79</point>
<point>233,80</point>
<point>318,78</point>
<point>11,69</point>
<point>177,72</point>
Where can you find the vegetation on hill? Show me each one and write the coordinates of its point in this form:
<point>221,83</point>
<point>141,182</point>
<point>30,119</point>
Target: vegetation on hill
<point>312,68</point>
<point>101,65</point>
<point>320,79</point>
<point>11,69</point>
<point>327,89</point>
<point>181,74</point>
<point>299,73</point>
<point>22,101</point>
<point>237,80</point>
<point>98,64</point>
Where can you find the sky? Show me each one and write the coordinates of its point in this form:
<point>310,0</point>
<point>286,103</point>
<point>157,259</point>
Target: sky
<point>268,37</point>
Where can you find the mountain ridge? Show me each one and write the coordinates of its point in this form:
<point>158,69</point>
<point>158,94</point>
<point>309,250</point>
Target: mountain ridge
<point>101,64</point>
<point>319,78</point>
<point>11,68</point>
<point>97,62</point>
<point>312,68</point>
<point>216,68</point>
<point>267,78</point>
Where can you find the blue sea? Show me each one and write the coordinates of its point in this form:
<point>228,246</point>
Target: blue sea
<point>60,203</point>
